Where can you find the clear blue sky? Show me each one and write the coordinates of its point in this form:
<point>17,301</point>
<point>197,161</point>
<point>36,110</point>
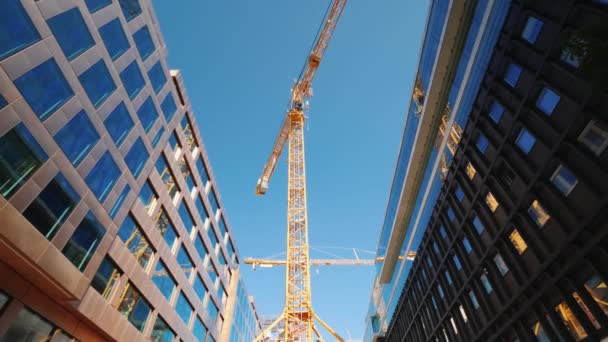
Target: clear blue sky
<point>239,59</point>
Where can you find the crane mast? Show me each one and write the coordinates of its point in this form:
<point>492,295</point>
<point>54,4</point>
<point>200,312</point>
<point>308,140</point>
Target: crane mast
<point>298,315</point>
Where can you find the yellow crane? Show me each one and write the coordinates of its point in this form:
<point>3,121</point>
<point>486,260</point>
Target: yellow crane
<point>298,314</point>
<point>326,262</point>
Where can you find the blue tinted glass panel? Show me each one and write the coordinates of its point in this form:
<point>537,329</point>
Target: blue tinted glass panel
<point>119,124</point>
<point>147,114</point>
<point>478,225</point>
<point>512,74</point>
<point>451,214</point>
<point>71,33</point>
<point>103,176</point>
<point>44,88</point>
<point>130,8</point>
<point>119,201</point>
<point>162,332</point>
<point>20,157</point>
<point>184,262</point>
<point>84,242</point>
<point>547,101</point>
<point>163,280</point>
<point>443,233</point>
<point>157,77</point>
<point>136,157</point>
<point>168,106</point>
<point>200,248</point>
<point>3,102</point>
<point>459,194</point>
<point>200,288</point>
<point>467,245</point>
<point>525,141</point>
<point>532,29</point>
<point>202,211</point>
<point>486,283</point>
<point>96,5</point>
<point>143,42</point>
<point>52,206</point>
<point>77,138</point>
<point>457,262</point>
<point>213,201</point>
<point>147,195</point>
<point>183,308</point>
<point>199,330</point>
<point>114,38</point>
<point>132,79</point>
<point>482,143</point>
<point>16,29</point>
<point>158,136</point>
<point>202,170</point>
<point>496,112</point>
<point>97,83</point>
<point>184,214</point>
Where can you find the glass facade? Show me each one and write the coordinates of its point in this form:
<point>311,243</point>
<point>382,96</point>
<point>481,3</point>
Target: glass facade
<point>130,8</point>
<point>143,42</point>
<point>71,33</point>
<point>96,5</point>
<point>77,138</point>
<point>157,77</point>
<point>97,83</point>
<point>16,28</point>
<point>103,176</point>
<point>168,107</point>
<point>132,79</point>
<point>119,123</point>
<point>147,114</point>
<point>114,38</point>
<point>84,242</point>
<point>136,157</point>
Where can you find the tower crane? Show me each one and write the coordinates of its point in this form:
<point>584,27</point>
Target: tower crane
<point>298,315</point>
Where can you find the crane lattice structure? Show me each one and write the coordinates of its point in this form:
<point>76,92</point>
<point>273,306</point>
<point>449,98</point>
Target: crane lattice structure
<point>298,314</point>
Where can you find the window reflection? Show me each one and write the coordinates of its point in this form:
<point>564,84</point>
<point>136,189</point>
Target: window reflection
<point>538,214</point>
<point>134,307</point>
<point>570,321</point>
<point>518,242</point>
<point>598,290</point>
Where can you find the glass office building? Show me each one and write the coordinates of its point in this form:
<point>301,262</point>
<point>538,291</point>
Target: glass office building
<point>111,223</point>
<point>495,227</point>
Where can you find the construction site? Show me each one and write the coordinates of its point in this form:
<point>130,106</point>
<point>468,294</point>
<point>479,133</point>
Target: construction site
<point>453,190</point>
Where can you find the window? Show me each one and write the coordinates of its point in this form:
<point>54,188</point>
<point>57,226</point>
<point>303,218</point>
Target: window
<point>166,176</point>
<point>28,326</point>
<point>486,283</point>
<point>168,106</point>
<point>212,237</point>
<point>132,80</point>
<point>200,289</point>
<point>463,313</point>
<point>157,137</point>
<point>77,138</point>
<point>174,143</point>
<point>199,330</point>
<point>114,38</point>
<point>467,245</point>
<point>106,278</point>
<point>518,241</point>
<point>202,170</point>
<point>212,311</point>
<point>443,233</point>
<point>186,173</point>
<point>571,58</point>
<point>96,5</point>
<point>457,262</point>
<point>440,290</point>
<point>583,306</point>
<point>201,249</point>
<point>187,128</point>
<point>570,321</point>
<point>496,112</point>
<point>532,29</point>
<point>119,201</point>
<point>500,264</point>
<point>84,242</point>
<point>599,292</point>
<point>512,74</point>
<point>491,202</point>
<point>136,157</point>
<point>97,83</point>
<point>143,42</point>
<point>186,217</point>
<point>166,229</point>
<point>3,102</point>
<point>479,227</point>
<point>564,180</point>
<point>470,170</point>
<point>451,214</point>
<point>538,214</point>
<point>473,300</point>
<point>163,280</point>
<point>454,325</point>
<point>16,28</point>
<point>20,157</point>
<point>459,194</point>
<point>148,197</point>
<point>136,242</point>
<point>184,261</point>
<point>147,114</point>
<point>436,249</point>
<point>525,141</point>
<point>212,273</point>
<point>482,143</point>
<point>134,307</point>
<point>539,332</point>
<point>547,101</point>
<point>103,176</point>
<point>119,124</point>
<point>184,308</point>
<point>213,201</point>
<point>130,8</point>
<point>71,33</point>
<point>448,278</point>
<point>162,332</point>
<point>51,208</point>
<point>157,77</point>
<point>44,87</point>
<point>594,137</point>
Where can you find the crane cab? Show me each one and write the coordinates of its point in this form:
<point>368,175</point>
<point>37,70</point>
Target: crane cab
<point>262,187</point>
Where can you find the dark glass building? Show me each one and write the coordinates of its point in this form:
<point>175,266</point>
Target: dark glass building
<point>111,223</point>
<point>500,187</point>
